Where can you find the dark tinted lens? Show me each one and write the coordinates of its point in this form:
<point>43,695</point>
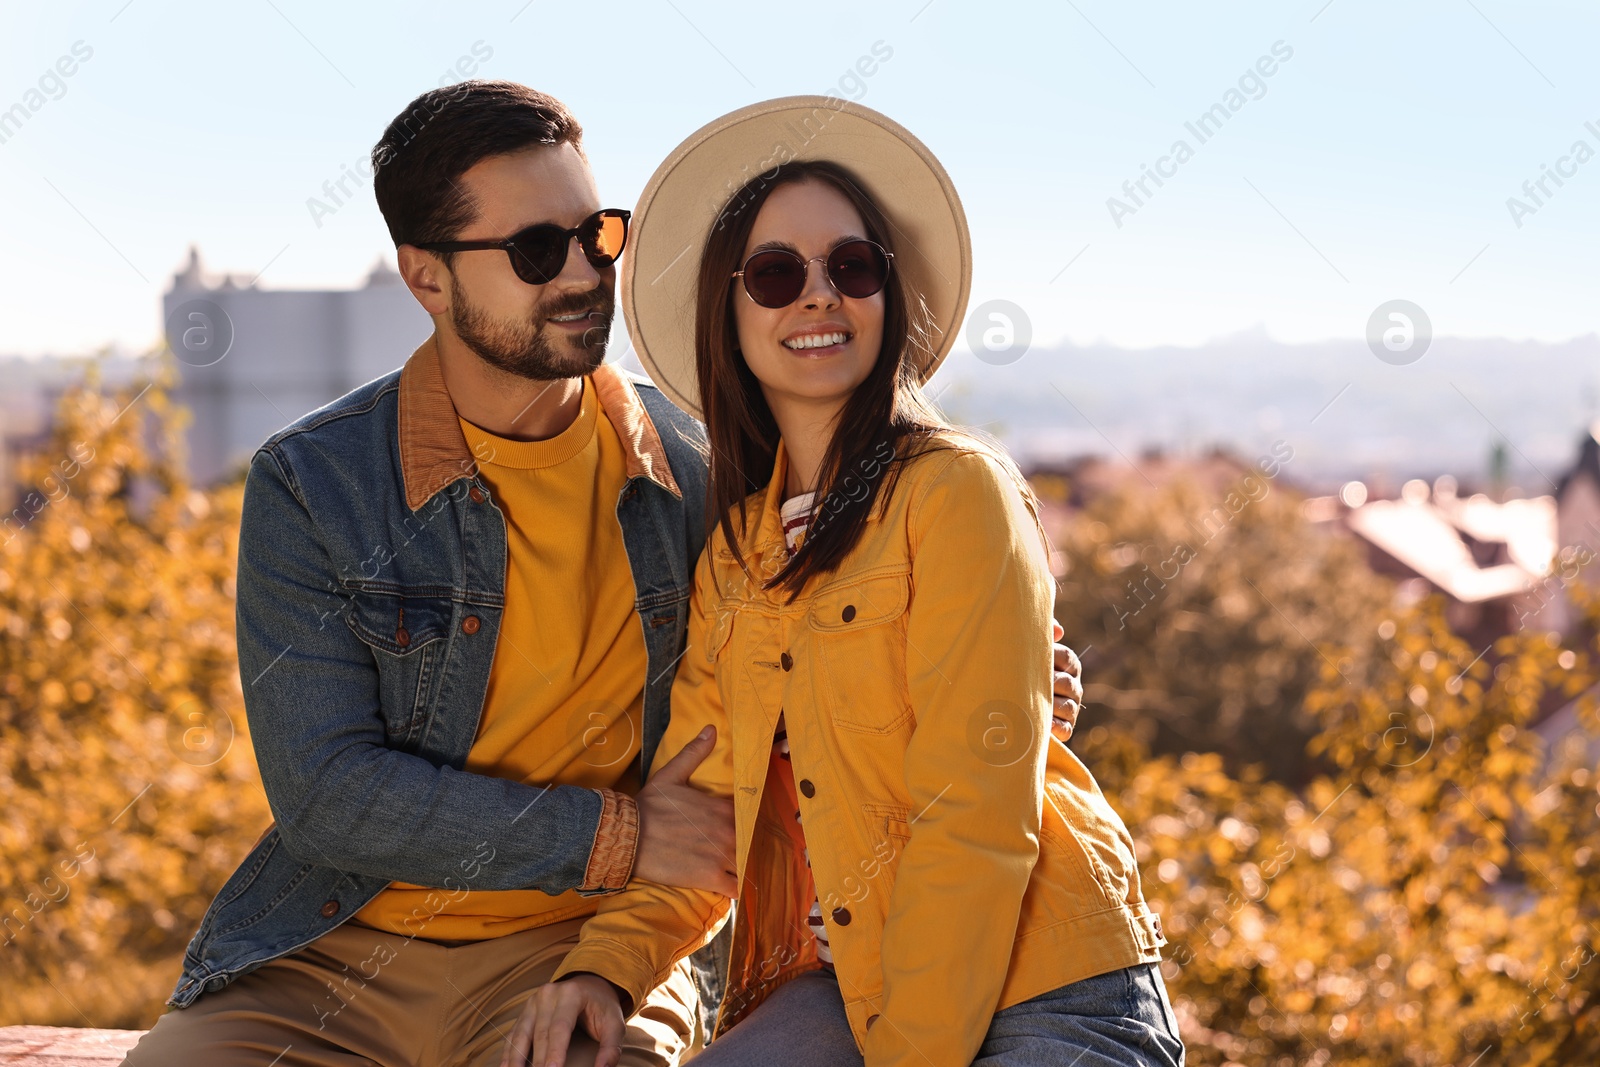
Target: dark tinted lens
<point>538,253</point>
<point>604,237</point>
<point>858,269</point>
<point>774,278</point>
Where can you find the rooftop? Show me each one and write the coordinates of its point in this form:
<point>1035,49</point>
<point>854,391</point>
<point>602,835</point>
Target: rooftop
<point>1473,549</point>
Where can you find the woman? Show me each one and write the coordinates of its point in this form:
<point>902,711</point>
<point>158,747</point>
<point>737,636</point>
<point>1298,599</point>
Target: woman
<point>924,874</point>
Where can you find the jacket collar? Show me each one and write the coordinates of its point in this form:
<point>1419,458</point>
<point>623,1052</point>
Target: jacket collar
<point>763,545</point>
<point>433,452</point>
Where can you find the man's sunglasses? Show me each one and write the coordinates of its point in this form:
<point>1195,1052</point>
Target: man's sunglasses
<point>539,252</point>
<point>776,277</point>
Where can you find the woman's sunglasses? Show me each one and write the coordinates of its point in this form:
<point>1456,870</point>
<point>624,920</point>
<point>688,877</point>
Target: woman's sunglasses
<point>776,277</point>
<point>539,252</point>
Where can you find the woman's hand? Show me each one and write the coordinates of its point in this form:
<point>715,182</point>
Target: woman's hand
<point>1068,687</point>
<point>547,1023</point>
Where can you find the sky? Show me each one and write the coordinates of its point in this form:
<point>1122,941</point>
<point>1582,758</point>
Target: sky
<point>1374,163</point>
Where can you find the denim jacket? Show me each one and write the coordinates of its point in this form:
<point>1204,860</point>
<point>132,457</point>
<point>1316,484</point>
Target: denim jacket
<point>362,723</point>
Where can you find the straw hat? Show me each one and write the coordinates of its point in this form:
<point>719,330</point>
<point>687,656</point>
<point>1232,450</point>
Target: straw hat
<point>691,188</point>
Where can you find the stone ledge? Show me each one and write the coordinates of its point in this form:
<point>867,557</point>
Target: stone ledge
<point>64,1046</point>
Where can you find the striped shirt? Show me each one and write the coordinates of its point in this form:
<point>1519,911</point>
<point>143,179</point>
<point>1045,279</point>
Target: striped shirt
<point>796,516</point>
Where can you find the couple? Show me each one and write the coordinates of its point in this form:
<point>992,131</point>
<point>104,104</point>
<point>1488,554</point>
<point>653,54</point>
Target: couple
<point>553,785</point>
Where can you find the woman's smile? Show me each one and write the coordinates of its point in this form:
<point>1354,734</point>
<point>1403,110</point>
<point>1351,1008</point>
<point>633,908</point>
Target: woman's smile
<point>825,339</point>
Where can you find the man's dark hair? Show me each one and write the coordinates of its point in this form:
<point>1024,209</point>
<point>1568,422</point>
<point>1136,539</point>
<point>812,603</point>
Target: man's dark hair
<point>418,162</point>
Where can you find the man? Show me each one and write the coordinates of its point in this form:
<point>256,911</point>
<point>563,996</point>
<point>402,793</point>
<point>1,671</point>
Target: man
<point>462,596</point>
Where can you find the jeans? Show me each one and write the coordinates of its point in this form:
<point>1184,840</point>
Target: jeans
<point>1120,1019</point>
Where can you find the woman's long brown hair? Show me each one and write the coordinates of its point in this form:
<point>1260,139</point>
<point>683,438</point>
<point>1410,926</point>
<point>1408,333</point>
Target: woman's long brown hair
<point>884,423</point>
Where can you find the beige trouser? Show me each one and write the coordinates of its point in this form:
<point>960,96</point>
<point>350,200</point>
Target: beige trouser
<point>361,996</point>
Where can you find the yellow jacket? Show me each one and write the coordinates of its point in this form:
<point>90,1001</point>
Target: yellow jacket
<point>965,860</point>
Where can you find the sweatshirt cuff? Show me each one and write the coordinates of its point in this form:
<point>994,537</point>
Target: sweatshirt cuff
<point>615,842</point>
<point>617,963</point>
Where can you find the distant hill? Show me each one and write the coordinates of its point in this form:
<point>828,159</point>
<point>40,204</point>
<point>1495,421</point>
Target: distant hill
<point>1439,415</point>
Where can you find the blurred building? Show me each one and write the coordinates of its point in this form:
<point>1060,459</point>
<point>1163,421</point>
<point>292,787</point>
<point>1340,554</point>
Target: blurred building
<point>1487,557</point>
<point>253,360</point>
<point>1502,564</point>
<point>1578,497</point>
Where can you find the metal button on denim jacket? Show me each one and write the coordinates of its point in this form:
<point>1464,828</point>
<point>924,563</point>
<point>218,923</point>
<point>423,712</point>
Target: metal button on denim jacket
<point>370,588</point>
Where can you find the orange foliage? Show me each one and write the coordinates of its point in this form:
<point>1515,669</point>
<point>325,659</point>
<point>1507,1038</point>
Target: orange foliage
<point>126,768</point>
<point>1431,898</point>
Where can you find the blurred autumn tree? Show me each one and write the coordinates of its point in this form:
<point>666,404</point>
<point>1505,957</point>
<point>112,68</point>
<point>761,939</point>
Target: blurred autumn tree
<point>129,783</point>
<point>1432,896</point>
<point>1202,610</point>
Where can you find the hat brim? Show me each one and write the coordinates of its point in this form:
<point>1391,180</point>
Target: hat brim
<point>692,186</point>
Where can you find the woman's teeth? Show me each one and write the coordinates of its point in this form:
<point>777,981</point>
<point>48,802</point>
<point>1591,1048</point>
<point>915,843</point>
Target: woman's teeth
<point>816,340</point>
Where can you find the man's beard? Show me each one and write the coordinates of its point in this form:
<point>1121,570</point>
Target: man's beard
<point>526,348</point>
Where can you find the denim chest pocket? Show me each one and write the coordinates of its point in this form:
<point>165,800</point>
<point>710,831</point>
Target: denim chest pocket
<point>858,631</point>
<point>406,634</point>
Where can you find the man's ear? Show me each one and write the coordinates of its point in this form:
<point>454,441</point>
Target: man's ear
<point>424,275</point>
